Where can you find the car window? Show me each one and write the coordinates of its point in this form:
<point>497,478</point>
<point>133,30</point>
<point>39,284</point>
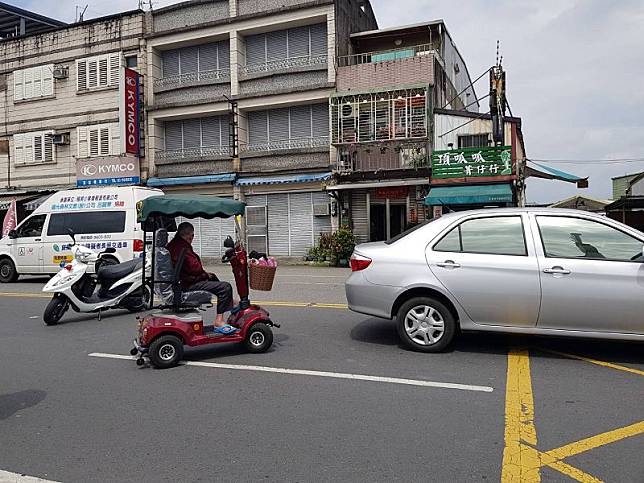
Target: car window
<point>87,222</point>
<point>407,232</point>
<point>501,235</point>
<point>31,226</point>
<point>565,237</point>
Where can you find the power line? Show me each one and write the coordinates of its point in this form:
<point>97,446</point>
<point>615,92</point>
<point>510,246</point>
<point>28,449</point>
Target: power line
<point>466,87</point>
<point>464,124</point>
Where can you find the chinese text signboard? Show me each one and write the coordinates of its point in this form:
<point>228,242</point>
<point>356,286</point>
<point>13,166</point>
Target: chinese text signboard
<point>472,162</point>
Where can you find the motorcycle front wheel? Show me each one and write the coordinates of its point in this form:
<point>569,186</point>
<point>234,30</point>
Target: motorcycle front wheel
<point>55,309</point>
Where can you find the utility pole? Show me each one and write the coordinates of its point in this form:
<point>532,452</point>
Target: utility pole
<point>497,100</point>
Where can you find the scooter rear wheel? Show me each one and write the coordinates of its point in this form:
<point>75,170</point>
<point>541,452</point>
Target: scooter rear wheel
<point>55,309</point>
<point>259,338</point>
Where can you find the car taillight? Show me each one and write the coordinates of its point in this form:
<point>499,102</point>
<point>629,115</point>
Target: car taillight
<point>137,245</point>
<point>359,262</point>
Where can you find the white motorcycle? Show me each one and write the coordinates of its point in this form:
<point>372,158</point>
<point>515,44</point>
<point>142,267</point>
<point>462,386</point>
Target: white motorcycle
<point>112,286</point>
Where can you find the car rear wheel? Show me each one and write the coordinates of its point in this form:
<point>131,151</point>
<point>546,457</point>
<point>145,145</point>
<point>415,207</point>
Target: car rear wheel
<point>424,324</point>
<point>8,272</point>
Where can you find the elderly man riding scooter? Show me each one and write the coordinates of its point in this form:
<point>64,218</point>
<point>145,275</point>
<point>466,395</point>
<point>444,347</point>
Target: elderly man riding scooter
<point>194,277</point>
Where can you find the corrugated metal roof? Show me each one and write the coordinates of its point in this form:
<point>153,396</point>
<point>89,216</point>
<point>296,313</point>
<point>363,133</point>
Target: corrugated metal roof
<point>184,180</point>
<point>294,178</point>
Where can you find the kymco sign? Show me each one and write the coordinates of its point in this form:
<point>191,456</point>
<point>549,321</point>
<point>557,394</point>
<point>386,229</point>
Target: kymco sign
<point>131,112</point>
<point>107,171</point>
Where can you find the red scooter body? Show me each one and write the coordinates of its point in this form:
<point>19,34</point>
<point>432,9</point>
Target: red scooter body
<point>252,321</point>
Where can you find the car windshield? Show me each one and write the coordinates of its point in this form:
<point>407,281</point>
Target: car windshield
<point>407,232</point>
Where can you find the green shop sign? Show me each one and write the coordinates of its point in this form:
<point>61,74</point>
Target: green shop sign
<point>472,162</point>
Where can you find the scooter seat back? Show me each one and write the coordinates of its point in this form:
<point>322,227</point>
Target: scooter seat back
<point>116,272</point>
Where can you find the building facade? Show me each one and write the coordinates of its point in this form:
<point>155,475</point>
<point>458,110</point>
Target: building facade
<point>237,105</point>
<point>61,109</point>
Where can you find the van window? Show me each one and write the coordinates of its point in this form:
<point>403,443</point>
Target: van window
<point>31,227</point>
<point>87,222</point>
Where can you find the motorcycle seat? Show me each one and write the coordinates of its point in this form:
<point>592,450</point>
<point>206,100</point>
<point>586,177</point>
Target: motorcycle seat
<point>115,272</point>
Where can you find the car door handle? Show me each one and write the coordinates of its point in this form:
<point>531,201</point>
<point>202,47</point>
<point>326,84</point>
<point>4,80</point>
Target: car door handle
<point>557,270</point>
<point>448,264</point>
<point>37,239</point>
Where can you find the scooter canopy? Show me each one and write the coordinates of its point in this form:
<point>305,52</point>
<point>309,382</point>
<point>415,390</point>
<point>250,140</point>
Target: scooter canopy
<point>195,206</point>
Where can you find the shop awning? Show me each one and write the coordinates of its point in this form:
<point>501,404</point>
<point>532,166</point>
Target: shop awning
<point>7,198</point>
<point>538,170</point>
<point>185,180</point>
<point>295,178</point>
<point>379,184</point>
<point>469,195</point>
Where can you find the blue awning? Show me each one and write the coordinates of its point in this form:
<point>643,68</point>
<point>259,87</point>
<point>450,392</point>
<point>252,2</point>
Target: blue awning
<point>469,195</point>
<point>547,172</point>
<point>295,178</point>
<point>183,180</point>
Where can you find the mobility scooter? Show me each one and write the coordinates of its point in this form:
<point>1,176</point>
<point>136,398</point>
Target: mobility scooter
<point>162,335</point>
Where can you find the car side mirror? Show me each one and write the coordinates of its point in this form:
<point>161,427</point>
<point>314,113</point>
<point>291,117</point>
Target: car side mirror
<point>12,234</point>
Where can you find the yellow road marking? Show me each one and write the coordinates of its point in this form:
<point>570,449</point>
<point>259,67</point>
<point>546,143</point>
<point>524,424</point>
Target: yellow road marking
<point>268,303</point>
<point>595,361</point>
<point>522,462</point>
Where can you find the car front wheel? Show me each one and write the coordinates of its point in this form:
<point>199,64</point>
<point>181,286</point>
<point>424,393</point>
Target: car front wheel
<point>425,324</point>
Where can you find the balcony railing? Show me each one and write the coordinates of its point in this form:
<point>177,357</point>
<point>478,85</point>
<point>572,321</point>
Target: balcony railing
<point>191,78</point>
<point>389,55</point>
<point>282,64</point>
<point>379,158</point>
<point>194,153</point>
<point>298,143</point>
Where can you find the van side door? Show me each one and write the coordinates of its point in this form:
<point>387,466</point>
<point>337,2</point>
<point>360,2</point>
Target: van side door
<point>28,245</point>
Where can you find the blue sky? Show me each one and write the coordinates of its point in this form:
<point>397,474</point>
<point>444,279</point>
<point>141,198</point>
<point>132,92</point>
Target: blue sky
<point>574,72</point>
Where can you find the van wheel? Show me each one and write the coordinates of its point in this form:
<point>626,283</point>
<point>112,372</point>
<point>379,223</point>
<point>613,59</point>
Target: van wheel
<point>8,272</point>
<point>55,309</point>
<point>426,325</point>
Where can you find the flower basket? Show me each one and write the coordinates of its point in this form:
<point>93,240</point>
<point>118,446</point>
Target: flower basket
<point>261,277</point>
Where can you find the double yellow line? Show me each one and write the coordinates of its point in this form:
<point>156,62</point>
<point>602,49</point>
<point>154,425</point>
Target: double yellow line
<point>267,303</point>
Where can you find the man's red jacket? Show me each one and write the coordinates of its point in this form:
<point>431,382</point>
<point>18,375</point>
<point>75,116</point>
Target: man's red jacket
<point>192,270</point>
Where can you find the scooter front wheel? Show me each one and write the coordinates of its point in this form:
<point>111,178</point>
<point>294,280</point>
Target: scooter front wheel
<point>166,351</point>
<point>259,338</point>
<point>55,309</point>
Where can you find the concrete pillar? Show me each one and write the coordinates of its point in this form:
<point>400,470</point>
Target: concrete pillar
<point>330,29</point>
<point>232,8</point>
<point>235,62</point>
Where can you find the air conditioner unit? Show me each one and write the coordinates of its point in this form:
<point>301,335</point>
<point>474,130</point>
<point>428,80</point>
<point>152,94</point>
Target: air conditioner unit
<point>322,209</point>
<point>347,111</point>
<point>61,72</point>
<point>61,138</point>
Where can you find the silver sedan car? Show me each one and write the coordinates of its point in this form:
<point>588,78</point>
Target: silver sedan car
<point>524,271</point>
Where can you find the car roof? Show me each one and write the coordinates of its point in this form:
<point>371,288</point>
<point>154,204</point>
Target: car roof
<point>506,211</point>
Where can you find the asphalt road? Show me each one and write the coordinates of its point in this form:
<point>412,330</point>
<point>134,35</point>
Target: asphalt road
<point>65,416</point>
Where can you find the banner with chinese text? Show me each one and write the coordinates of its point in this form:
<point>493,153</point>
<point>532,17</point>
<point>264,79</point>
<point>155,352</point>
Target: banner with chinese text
<point>472,162</point>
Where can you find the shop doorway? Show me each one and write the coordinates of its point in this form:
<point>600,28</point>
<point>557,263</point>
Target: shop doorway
<point>383,227</point>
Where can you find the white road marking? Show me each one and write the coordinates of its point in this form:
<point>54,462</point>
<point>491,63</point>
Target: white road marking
<point>7,477</point>
<point>304,372</point>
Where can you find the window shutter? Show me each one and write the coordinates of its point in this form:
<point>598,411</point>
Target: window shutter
<point>18,85</point>
<point>28,148</point>
<point>298,42</point>
<point>81,75</point>
<point>208,57</point>
<point>320,120</point>
<point>300,122</point>
<point>318,39</point>
<point>257,127</point>
<point>191,133</point>
<point>48,80</point>
<point>115,139</point>
<point>18,149</point>
<point>94,145</point>
<point>104,140</point>
<point>189,60</point>
<point>83,148</point>
<point>172,131</point>
<point>170,60</point>
<point>103,67</point>
<point>223,54</point>
<point>255,49</point>
<point>276,45</point>
<point>278,124</point>
<point>38,147</point>
<point>92,74</point>
<point>29,83</point>
<point>210,132</point>
<point>115,68</point>
<point>37,80</point>
<point>49,146</point>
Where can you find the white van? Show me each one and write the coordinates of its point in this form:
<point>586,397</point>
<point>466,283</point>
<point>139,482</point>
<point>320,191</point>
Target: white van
<point>100,218</point>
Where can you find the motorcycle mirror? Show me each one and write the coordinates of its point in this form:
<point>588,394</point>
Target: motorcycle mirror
<point>12,234</point>
<point>229,242</point>
<point>72,234</point>
<point>109,250</point>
